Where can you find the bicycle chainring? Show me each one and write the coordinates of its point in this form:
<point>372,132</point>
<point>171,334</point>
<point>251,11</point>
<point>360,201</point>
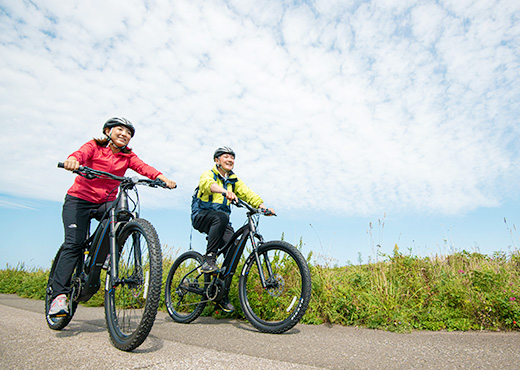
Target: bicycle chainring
<point>214,288</point>
<point>76,288</point>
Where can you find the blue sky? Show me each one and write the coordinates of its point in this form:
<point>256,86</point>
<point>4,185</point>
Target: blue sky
<point>362,123</point>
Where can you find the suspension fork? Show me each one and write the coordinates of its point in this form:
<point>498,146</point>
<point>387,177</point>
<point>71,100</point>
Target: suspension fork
<point>114,252</point>
<point>257,259</point>
<point>137,253</point>
<point>121,207</point>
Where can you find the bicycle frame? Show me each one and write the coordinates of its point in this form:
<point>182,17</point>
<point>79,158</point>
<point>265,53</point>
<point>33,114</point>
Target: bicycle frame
<point>274,286</point>
<point>104,239</point>
<point>101,243</point>
<point>234,248</point>
<point>134,268</point>
<point>118,216</point>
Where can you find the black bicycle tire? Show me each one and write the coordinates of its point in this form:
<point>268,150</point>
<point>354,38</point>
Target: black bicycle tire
<point>120,340</point>
<point>56,323</point>
<point>168,291</point>
<point>303,302</point>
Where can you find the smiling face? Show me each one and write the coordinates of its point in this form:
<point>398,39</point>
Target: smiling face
<point>226,162</point>
<point>120,135</point>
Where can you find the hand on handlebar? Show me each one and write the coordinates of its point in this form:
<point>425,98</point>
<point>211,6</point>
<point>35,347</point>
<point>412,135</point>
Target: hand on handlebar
<point>71,164</point>
<point>267,211</point>
<point>169,183</point>
<point>229,195</point>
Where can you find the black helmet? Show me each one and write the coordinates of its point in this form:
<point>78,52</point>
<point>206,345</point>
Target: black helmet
<point>119,121</point>
<point>223,150</point>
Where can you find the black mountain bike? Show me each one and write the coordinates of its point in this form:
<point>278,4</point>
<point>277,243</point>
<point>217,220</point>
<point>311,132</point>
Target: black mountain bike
<point>274,285</point>
<point>129,249</point>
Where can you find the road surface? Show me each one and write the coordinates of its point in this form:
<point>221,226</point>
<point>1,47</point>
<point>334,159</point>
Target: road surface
<point>27,343</point>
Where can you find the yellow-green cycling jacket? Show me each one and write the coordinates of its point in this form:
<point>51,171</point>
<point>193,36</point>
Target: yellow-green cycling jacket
<point>204,199</point>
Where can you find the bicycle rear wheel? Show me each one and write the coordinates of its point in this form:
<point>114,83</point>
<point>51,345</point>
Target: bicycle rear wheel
<point>185,288</point>
<point>131,302</point>
<point>57,323</point>
<point>282,304</point>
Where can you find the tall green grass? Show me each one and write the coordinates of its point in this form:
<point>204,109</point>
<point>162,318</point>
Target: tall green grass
<point>462,291</point>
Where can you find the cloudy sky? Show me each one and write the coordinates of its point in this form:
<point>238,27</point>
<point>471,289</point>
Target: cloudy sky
<point>342,113</point>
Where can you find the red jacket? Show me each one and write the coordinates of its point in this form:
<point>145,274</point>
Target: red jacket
<point>102,158</point>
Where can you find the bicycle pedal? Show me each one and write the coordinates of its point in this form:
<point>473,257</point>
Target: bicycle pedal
<point>216,272</point>
<point>59,315</point>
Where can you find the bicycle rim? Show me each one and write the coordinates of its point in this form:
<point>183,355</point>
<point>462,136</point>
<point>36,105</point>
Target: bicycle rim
<point>184,290</point>
<point>131,305</point>
<point>282,304</point>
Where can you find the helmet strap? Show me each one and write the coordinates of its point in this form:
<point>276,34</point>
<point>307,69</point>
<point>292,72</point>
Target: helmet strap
<point>221,169</point>
<point>112,141</point>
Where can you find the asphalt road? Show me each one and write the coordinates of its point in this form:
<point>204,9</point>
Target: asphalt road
<point>27,343</point>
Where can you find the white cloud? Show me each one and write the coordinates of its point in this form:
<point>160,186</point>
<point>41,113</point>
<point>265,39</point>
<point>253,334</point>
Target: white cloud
<point>353,108</point>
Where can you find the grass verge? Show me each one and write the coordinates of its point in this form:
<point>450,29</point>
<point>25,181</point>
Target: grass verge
<point>463,291</point>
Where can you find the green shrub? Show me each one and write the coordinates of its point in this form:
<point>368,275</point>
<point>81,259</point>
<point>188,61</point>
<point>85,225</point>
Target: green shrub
<point>463,291</point>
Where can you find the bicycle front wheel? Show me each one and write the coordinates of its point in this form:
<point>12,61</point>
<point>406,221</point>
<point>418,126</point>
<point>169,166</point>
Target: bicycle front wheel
<point>131,302</point>
<point>184,293</point>
<point>282,303</point>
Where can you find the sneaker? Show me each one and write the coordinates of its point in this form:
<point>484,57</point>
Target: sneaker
<point>225,305</point>
<point>210,264</point>
<point>59,306</point>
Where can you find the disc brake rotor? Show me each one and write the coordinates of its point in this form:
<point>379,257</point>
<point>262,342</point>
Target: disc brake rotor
<point>275,285</point>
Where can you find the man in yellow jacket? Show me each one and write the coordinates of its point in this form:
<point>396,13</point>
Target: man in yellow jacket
<point>210,208</point>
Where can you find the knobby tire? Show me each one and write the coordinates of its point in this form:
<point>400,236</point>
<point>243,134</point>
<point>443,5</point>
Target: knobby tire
<point>184,293</point>
<point>131,306</point>
<point>282,305</point>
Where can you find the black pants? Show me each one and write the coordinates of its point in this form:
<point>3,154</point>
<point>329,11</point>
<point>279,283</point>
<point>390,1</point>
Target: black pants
<point>216,225</point>
<point>76,217</point>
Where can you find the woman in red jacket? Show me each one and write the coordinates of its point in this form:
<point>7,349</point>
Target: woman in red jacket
<point>110,154</point>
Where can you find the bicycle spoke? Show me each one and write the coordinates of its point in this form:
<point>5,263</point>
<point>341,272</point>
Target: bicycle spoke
<point>282,302</point>
<point>131,303</point>
<point>185,288</point>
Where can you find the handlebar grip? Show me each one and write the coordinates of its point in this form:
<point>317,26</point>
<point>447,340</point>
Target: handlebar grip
<point>162,184</point>
<point>61,165</point>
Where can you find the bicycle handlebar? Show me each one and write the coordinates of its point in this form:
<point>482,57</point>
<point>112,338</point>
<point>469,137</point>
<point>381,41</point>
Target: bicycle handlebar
<point>91,173</point>
<point>240,203</point>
